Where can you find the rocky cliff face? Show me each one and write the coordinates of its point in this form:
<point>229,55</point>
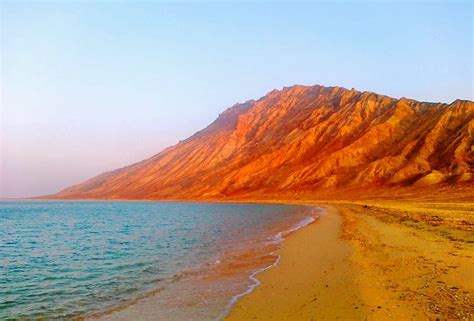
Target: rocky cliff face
<point>305,141</point>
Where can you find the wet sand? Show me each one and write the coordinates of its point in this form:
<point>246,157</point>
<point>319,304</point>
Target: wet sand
<point>372,261</point>
<point>312,280</point>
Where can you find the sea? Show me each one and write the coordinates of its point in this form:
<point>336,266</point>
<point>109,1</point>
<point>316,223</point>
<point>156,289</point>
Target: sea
<point>76,260</point>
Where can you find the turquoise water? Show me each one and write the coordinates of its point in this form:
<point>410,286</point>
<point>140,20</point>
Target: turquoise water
<point>71,259</point>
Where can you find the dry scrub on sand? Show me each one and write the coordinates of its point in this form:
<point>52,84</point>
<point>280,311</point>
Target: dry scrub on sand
<point>372,261</point>
<point>415,260</point>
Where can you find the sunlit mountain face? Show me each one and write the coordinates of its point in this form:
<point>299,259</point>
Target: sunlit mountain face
<point>306,141</point>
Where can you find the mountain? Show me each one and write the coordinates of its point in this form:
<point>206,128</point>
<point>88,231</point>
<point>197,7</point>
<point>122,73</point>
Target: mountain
<point>306,141</point>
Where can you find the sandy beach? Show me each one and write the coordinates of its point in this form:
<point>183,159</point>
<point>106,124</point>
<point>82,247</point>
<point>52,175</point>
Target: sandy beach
<point>371,261</point>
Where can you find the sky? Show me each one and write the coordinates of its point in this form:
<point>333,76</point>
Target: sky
<point>90,86</point>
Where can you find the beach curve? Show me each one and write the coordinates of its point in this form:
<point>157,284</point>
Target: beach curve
<point>316,278</point>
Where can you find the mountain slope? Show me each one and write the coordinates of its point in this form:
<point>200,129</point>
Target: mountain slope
<point>305,141</point>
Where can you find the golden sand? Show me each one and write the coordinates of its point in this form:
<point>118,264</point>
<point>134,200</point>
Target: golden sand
<point>373,261</point>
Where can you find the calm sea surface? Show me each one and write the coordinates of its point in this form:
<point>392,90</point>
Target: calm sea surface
<point>182,261</point>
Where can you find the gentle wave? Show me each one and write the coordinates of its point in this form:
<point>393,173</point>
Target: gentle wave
<point>95,259</point>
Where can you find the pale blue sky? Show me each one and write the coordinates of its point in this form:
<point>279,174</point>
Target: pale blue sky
<point>92,86</point>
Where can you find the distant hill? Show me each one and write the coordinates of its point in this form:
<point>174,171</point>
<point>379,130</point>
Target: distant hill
<point>306,142</point>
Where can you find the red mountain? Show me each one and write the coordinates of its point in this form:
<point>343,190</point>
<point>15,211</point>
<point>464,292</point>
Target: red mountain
<point>309,142</point>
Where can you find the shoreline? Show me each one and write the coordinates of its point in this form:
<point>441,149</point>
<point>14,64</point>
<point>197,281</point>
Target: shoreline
<point>282,237</point>
<point>363,260</point>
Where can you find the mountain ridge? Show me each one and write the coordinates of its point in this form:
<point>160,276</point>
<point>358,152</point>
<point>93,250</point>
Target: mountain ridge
<point>305,141</point>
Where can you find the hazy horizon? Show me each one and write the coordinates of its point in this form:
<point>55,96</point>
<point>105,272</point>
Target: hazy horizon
<point>90,87</point>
